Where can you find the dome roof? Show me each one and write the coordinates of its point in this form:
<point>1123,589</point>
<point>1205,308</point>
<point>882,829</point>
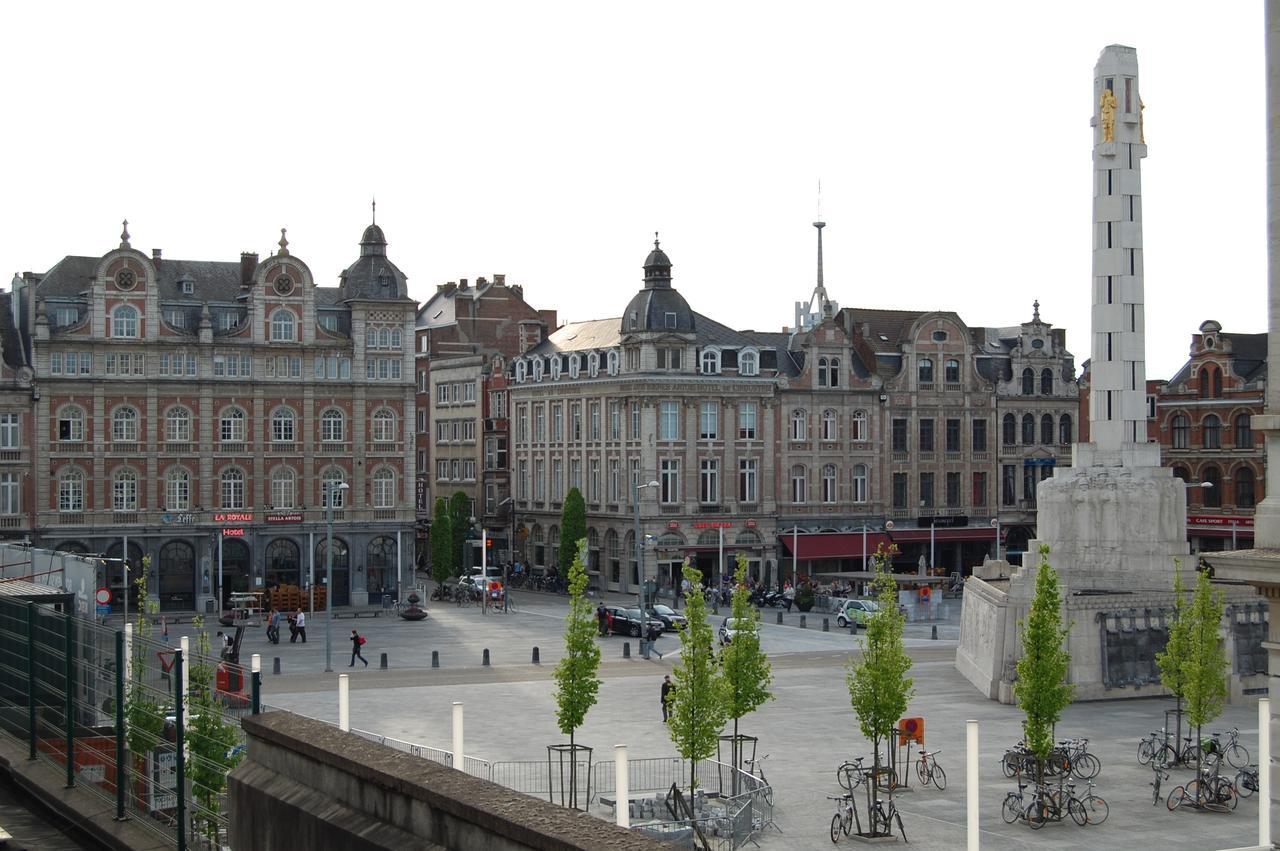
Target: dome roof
<point>373,275</point>
<point>657,307</point>
<point>373,235</point>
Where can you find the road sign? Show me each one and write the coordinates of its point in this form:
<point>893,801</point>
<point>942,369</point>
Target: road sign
<point>103,611</point>
<point>103,596</point>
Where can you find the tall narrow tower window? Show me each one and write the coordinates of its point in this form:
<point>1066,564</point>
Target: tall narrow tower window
<point>1128,94</point>
<point>1110,289</point>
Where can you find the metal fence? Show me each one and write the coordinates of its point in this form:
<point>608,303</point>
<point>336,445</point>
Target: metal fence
<point>128,719</point>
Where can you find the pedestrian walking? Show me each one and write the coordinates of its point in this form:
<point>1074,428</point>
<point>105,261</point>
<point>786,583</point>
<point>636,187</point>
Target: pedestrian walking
<point>273,626</point>
<point>667,686</point>
<point>299,626</point>
<point>603,617</point>
<point>357,641</point>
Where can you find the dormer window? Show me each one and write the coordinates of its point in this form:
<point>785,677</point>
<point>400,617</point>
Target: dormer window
<point>555,367</point>
<point>612,360</point>
<point>175,316</point>
<point>748,362</point>
<point>537,369</point>
<point>188,285</point>
<point>710,364</point>
<point>593,364</point>
<point>671,320</point>
<point>574,367</point>
<point>520,369</point>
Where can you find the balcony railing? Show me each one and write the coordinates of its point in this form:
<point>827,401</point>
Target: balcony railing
<point>229,448</point>
<point>124,517</point>
<point>70,518</point>
<point>282,447</point>
<point>386,448</point>
<point>65,446</point>
<point>326,447</point>
<point>12,521</point>
<point>123,447</point>
<point>178,448</point>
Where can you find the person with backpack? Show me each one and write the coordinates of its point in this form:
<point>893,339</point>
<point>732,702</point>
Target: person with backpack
<point>357,641</point>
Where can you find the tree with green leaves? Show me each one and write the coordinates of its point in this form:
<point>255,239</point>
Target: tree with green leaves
<point>459,526</point>
<point>573,528</point>
<point>1205,666</point>
<point>744,666</point>
<point>144,716</point>
<point>1170,660</point>
<point>879,687</point>
<point>1042,689</point>
<point>697,700</point>
<point>441,542</point>
<point>211,739</point>
<point>577,673</point>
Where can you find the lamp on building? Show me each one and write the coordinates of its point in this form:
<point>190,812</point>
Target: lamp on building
<point>644,618</point>
<point>330,488</point>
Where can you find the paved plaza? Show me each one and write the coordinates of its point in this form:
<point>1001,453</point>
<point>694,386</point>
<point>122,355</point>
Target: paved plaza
<point>807,730</point>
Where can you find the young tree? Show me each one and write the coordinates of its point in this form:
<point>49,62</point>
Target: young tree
<point>573,528</point>
<point>577,681</point>
<point>1205,666</point>
<point>1042,689</point>
<point>210,738</point>
<point>441,542</point>
<point>1171,659</point>
<point>697,700</point>
<point>879,687</point>
<point>746,670</point>
<point>459,525</point>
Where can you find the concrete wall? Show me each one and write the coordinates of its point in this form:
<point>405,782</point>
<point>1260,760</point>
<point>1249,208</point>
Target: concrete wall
<point>306,784</point>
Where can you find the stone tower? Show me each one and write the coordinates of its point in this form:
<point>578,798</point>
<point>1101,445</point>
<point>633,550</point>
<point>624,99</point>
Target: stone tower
<point>1115,518</point>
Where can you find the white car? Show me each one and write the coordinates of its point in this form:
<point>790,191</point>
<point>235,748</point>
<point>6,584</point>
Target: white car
<point>730,627</point>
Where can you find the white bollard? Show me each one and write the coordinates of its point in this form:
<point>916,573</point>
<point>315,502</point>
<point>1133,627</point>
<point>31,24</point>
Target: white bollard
<point>971,782</point>
<point>128,655</point>
<point>622,808</point>
<point>1264,772</point>
<point>255,663</point>
<point>344,703</point>
<point>457,734</point>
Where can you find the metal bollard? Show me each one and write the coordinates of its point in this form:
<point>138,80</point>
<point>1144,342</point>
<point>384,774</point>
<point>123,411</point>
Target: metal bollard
<point>826,624</point>
<point>383,664</point>
<point>486,658</point>
<point>934,634</point>
<point>536,659</point>
<point>626,650</point>
<point>802,626</point>
<point>275,666</point>
<point>435,658</point>
<point>779,617</point>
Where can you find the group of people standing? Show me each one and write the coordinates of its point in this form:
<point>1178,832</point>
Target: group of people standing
<point>297,626</point>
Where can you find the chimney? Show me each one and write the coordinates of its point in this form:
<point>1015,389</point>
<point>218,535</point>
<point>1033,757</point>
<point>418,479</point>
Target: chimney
<point>518,289</point>
<point>462,284</point>
<point>500,280</point>
<point>548,318</point>
<point>480,282</point>
<point>248,263</point>
<point>155,254</point>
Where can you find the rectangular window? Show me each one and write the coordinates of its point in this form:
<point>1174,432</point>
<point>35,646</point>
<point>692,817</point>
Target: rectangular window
<point>669,480</point>
<point>557,480</point>
<point>55,363</point>
<point>979,495</point>
<point>953,435</point>
<point>926,435</point>
<point>926,490</point>
<point>635,420</point>
<point>498,404</point>
<point>747,480</point>
<point>9,434</point>
<point>539,423</point>
<point>615,481</point>
<point>1008,485</point>
<point>593,421</point>
<point>539,481</point>
<point>899,435</point>
<point>709,421</point>
<point>593,481</point>
<point>575,422</point>
<point>709,481</point>
<point>522,424</point>
<point>615,421</point>
<point>442,394</point>
<point>669,421</point>
<point>575,473</point>
<point>899,490</point>
<point>557,423</point>
<point>953,490</point>
<point>747,421</point>
<point>522,480</point>
<point>442,469</point>
<point>1029,480</point>
<point>979,435</point>
<point>10,495</point>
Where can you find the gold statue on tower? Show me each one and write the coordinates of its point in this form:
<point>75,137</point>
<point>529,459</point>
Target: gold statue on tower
<point>1108,115</point>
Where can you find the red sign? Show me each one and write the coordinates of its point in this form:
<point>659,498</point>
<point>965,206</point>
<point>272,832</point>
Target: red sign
<point>284,518</point>
<point>712,524</point>
<point>233,533</point>
<point>103,596</point>
<point>232,517</point>
<point>751,524</point>
<point>671,524</point>
<point>1218,520</point>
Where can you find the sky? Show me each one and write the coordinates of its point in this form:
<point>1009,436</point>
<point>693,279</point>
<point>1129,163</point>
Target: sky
<point>548,141</point>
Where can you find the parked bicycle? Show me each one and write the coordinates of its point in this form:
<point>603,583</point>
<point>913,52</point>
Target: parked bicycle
<point>1093,807</point>
<point>883,816</point>
<point>1072,756</point>
<point>755,767</point>
<point>1210,789</point>
<point>1247,781</point>
<point>1014,807</point>
<point>846,817</point>
<point>1236,754</point>
<point>1160,775</point>
<point>928,771</point>
<point>850,774</point>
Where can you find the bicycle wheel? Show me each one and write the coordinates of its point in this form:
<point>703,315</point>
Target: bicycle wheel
<point>1146,750</point>
<point>1237,755</point>
<point>1224,794</point>
<point>1011,809</point>
<point>836,824</point>
<point>939,777</point>
<point>1087,766</point>
<point>1008,765</point>
<point>1075,808</point>
<point>922,773</point>
<point>844,776</point>
<point>1037,815</point>
<point>1096,809</point>
<point>1176,796</point>
<point>1155,791</point>
<point>1166,756</point>
<point>1245,784</point>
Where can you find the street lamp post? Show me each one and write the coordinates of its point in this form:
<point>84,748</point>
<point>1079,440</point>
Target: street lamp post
<point>329,489</point>
<point>995,521</point>
<point>644,619</point>
<point>511,549</point>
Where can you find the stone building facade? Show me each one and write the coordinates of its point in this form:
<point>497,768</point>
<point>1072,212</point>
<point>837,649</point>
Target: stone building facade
<point>199,412</point>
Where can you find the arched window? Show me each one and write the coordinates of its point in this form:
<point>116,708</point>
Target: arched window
<point>1244,487</point>
<point>341,559</point>
<point>1028,381</point>
<point>283,325</point>
<point>952,373</point>
<point>553,544</point>
<point>1180,426</point>
<point>830,425</point>
<point>593,364</point>
<point>379,560</point>
<point>384,426</point>
<point>1046,382</point>
<point>284,488</point>
<point>1244,431</point>
<point>1180,472</point>
<point>283,426</point>
<point>829,489</point>
<point>124,425</point>
<point>521,370</point>
<point>332,424</point>
<point>859,426</point>
<point>1217,383</point>
<point>833,372</point>
<point>1064,429</point>
<point>384,488</point>
<point>799,484</point>
<point>1009,430</point>
<point>177,489</point>
<point>710,362</point>
<point>537,369</point>
<point>925,371</point>
<point>71,490</point>
<point>748,362</point>
<point>330,481</point>
<point>859,482</point>
<point>232,488</point>
<point>799,425</point>
<point>177,425</point>
<point>575,366</point>
<point>282,562</point>
<point>71,423</point>
<point>231,426</point>
<point>1212,476</point>
<point>555,367</point>
<point>1046,429</point>
<point>124,490</point>
<point>1211,429</point>
<point>1028,429</point>
<point>822,372</point>
<point>611,361</point>
<point>124,321</point>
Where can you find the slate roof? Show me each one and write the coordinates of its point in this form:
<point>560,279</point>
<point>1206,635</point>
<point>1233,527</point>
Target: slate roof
<point>581,336</point>
<point>373,276</point>
<point>11,347</point>
<point>1249,358</point>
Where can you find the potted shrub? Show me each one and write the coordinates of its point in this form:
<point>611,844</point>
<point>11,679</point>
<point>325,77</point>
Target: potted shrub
<point>804,597</point>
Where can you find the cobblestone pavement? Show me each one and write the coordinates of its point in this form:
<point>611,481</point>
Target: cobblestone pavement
<point>807,730</point>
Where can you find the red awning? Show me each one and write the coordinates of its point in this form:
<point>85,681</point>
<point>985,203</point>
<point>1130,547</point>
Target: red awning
<point>965,533</point>
<point>1241,532</point>
<point>821,545</point>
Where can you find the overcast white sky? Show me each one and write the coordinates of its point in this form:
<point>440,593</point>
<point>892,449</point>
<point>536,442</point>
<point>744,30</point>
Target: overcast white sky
<point>548,140</point>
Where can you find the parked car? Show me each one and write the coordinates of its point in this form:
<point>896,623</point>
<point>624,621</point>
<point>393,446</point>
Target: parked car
<point>856,612</point>
<point>730,627</point>
<point>672,620</point>
<point>627,622</point>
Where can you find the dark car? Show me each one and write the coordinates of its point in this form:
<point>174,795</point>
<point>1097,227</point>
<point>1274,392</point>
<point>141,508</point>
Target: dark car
<point>672,620</point>
<point>627,622</point>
